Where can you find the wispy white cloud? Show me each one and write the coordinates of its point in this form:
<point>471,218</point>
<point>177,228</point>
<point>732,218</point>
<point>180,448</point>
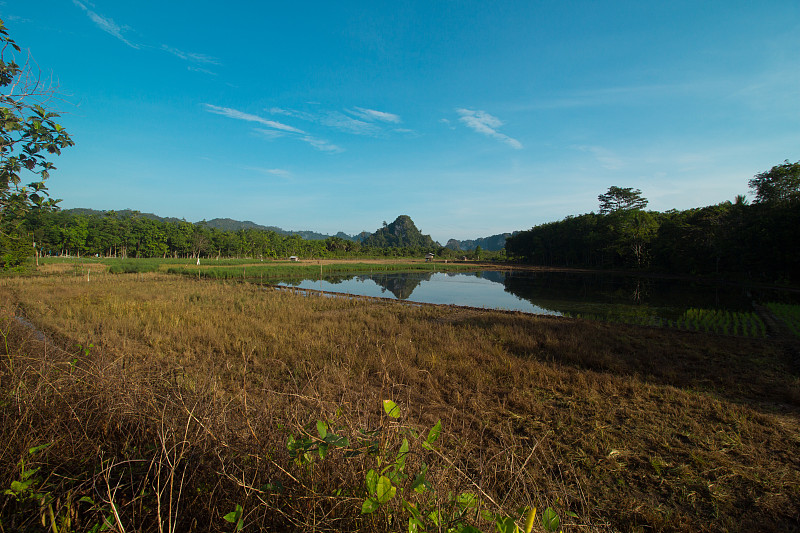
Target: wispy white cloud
<point>271,171</point>
<point>281,111</point>
<point>190,56</point>
<point>373,115</point>
<point>322,144</point>
<point>112,28</point>
<point>106,24</point>
<point>348,124</point>
<point>240,115</point>
<point>276,129</point>
<point>484,123</point>
<point>269,134</point>
<point>201,70</point>
<point>357,121</point>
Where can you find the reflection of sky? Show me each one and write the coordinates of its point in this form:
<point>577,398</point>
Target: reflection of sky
<point>449,289</point>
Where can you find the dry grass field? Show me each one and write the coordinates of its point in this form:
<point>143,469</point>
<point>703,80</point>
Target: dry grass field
<point>166,402</point>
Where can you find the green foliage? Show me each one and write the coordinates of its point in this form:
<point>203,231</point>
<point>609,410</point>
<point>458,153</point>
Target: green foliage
<point>789,314</point>
<point>132,267</point>
<point>34,496</point>
<point>717,321</point>
<point>728,238</point>
<point>285,270</point>
<point>746,324</point>
<point>28,136</point>
<point>130,234</point>
<point>780,184</point>
<point>397,482</point>
<point>236,517</point>
<point>401,233</point>
<point>621,198</point>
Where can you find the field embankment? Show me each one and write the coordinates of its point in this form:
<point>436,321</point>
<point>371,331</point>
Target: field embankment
<point>169,401</point>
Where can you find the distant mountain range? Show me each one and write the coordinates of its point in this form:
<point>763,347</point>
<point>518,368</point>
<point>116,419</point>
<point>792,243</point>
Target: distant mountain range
<point>492,243</point>
<point>401,232</point>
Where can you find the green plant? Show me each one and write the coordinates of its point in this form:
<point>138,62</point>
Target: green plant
<point>236,517</point>
<point>34,494</point>
<point>393,478</point>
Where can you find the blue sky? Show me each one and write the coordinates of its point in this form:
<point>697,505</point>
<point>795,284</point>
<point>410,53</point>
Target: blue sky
<point>474,118</point>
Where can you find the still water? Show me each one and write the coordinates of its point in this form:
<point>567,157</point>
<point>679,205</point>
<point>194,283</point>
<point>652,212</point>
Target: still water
<point>554,293</point>
<point>476,289</point>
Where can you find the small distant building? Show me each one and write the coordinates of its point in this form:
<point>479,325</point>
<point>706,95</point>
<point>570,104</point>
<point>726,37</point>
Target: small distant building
<point>294,258</point>
<point>429,258</point>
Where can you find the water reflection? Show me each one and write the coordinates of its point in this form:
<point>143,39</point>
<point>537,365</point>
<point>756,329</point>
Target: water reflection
<point>402,285</point>
<point>586,294</point>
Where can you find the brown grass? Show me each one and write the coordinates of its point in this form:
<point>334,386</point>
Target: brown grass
<point>182,407</point>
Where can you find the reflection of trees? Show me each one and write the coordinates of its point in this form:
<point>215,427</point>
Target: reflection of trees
<point>401,284</point>
<point>598,293</point>
<point>497,276</point>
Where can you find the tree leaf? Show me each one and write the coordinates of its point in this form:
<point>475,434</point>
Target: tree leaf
<point>434,433</point>
<point>234,515</point>
<point>370,505</point>
<point>322,429</point>
<point>384,490</point>
<point>505,525</point>
<point>372,481</point>
<point>391,408</point>
<point>550,519</point>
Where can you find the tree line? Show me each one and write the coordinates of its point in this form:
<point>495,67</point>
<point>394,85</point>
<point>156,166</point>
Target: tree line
<point>61,233</point>
<point>758,241</point>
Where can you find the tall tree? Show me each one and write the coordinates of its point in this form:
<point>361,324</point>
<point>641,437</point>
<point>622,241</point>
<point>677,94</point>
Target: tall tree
<point>28,135</point>
<point>621,198</point>
<point>778,185</point>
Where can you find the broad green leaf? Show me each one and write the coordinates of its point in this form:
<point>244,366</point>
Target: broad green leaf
<point>466,500</point>
<point>506,525</point>
<point>434,517</point>
<point>322,450</point>
<point>391,408</point>
<point>370,505</point>
<point>322,429</point>
<point>18,487</point>
<point>550,519</point>
<point>384,490</point>
<point>336,440</point>
<point>234,515</point>
<point>372,481</point>
<point>434,433</point>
